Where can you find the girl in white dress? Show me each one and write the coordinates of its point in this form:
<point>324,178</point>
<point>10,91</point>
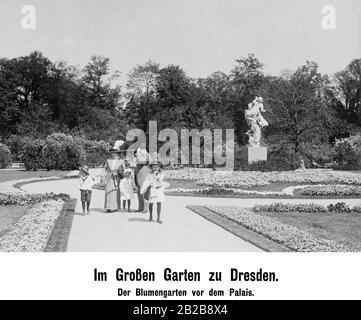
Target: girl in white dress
<point>126,189</point>
<point>154,185</point>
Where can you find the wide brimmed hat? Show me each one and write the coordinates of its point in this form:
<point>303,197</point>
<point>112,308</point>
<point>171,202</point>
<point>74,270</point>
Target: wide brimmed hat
<point>119,146</point>
<point>84,169</point>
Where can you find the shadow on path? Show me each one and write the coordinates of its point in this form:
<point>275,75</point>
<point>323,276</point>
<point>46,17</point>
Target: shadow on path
<point>138,220</point>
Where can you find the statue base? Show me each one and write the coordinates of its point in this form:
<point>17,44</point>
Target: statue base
<point>254,154</point>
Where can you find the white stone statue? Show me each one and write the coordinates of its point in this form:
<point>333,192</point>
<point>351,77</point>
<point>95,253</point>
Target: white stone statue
<point>255,120</point>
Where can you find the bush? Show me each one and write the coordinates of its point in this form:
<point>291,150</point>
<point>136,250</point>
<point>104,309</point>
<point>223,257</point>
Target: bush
<point>347,153</point>
<point>31,154</point>
<point>280,159</point>
<point>57,152</point>
<point>62,152</point>
<point>15,144</point>
<point>96,152</point>
<point>317,153</point>
<point>5,156</point>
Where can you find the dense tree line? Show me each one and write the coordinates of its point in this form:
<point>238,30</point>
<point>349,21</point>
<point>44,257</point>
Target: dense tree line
<point>306,110</point>
<point>39,97</point>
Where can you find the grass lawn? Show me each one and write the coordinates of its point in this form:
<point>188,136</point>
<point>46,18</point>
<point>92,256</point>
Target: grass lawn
<point>9,175</point>
<point>344,228</point>
<point>9,215</point>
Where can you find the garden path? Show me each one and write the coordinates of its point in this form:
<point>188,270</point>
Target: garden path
<point>182,230</point>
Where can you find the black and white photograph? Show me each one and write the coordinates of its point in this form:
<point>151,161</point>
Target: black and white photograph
<point>170,127</point>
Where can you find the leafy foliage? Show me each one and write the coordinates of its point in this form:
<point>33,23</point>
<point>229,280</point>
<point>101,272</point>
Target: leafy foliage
<point>31,153</point>
<point>306,110</point>
<point>347,153</point>
<point>62,152</point>
<point>5,156</point>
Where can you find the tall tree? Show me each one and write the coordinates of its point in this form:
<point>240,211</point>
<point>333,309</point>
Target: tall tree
<point>349,92</point>
<point>98,82</point>
<point>173,95</point>
<point>141,94</point>
<point>298,113</point>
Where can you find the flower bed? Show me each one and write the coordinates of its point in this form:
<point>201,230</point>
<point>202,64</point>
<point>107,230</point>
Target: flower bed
<point>26,199</point>
<point>331,190</point>
<point>218,191</point>
<point>339,207</point>
<point>32,231</point>
<point>287,207</point>
<point>291,237</point>
<point>251,179</point>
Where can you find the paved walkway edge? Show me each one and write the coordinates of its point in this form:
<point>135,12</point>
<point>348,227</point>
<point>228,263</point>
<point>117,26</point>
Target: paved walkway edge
<point>59,237</point>
<point>240,231</point>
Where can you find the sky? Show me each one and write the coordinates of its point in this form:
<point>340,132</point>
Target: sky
<point>202,36</point>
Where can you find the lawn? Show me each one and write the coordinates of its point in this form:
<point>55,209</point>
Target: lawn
<point>9,215</point>
<point>9,175</point>
<point>344,228</point>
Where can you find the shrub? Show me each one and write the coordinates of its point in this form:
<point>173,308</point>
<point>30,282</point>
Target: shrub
<point>31,154</point>
<point>15,144</point>
<point>5,156</point>
<point>280,159</point>
<point>347,153</point>
<point>62,152</point>
<point>96,152</point>
<point>317,153</point>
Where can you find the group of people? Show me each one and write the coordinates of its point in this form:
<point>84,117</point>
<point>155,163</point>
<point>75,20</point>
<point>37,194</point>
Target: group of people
<point>121,183</point>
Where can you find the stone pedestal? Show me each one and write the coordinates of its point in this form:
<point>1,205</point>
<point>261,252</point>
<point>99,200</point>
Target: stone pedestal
<point>254,154</point>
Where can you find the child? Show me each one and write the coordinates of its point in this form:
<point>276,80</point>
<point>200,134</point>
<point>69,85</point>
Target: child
<point>126,188</point>
<point>156,184</point>
<point>86,185</point>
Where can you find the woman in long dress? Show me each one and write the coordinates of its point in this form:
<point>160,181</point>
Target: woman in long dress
<point>114,170</point>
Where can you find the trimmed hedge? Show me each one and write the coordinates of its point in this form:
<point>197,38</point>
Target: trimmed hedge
<point>5,156</point>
